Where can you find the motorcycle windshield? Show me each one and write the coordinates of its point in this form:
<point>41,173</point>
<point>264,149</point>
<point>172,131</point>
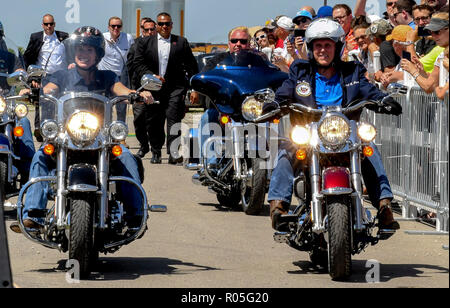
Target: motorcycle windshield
<point>69,104</point>
<point>233,76</point>
<point>11,59</point>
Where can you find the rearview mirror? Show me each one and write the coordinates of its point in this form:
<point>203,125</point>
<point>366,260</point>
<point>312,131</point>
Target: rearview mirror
<point>35,71</point>
<point>397,89</point>
<point>17,78</point>
<point>151,83</point>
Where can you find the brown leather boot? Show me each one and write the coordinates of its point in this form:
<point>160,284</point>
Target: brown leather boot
<point>277,208</point>
<point>385,216</point>
<point>27,223</point>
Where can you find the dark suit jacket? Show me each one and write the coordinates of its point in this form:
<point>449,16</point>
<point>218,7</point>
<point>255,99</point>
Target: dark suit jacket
<point>135,82</point>
<point>180,67</point>
<point>35,44</point>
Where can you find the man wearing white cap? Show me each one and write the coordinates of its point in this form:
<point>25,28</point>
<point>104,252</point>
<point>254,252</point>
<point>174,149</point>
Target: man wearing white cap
<point>284,27</point>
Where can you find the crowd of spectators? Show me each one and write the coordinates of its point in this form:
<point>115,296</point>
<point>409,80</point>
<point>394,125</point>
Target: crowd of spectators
<point>404,45</point>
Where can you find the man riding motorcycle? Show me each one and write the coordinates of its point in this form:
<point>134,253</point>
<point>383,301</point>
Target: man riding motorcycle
<point>89,46</point>
<point>324,80</point>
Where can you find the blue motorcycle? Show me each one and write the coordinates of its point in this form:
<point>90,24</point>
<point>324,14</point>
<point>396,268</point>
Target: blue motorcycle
<point>232,161</point>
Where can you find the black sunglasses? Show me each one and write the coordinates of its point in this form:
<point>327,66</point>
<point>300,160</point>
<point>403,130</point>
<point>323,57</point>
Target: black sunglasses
<point>390,3</point>
<point>243,41</point>
<point>148,29</point>
<point>298,21</point>
<point>116,26</point>
<point>49,24</point>
<point>162,24</point>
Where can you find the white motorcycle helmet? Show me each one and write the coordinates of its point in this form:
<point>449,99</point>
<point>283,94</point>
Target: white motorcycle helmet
<point>325,28</point>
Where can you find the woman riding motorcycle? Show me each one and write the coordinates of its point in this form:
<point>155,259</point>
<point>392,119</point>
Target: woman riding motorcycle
<point>324,80</point>
<point>89,46</point>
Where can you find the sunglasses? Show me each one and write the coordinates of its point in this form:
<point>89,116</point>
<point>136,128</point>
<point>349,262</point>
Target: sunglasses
<point>148,29</point>
<point>390,3</point>
<point>242,41</point>
<point>116,26</point>
<point>49,24</point>
<point>301,20</point>
<point>162,24</point>
<point>423,18</point>
<point>362,37</point>
<point>263,36</point>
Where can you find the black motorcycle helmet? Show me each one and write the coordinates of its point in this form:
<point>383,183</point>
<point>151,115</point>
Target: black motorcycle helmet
<point>89,36</point>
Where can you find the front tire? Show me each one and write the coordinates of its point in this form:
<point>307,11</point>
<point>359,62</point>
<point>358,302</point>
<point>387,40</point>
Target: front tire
<point>339,243</point>
<point>253,196</point>
<point>81,242</point>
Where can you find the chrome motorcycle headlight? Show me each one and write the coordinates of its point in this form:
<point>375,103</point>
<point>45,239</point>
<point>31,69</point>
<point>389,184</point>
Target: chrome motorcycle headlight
<point>334,131</point>
<point>251,108</point>
<point>367,132</point>
<point>2,105</point>
<point>300,135</point>
<point>118,131</point>
<point>21,110</point>
<point>49,129</point>
<point>83,127</point>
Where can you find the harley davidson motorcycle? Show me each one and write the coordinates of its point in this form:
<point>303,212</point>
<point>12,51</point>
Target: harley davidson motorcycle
<point>239,175</point>
<point>87,216</point>
<point>15,158</point>
<point>330,222</point>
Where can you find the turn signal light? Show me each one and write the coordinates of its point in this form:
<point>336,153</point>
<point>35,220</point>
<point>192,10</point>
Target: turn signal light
<point>276,121</point>
<point>117,150</point>
<point>368,151</point>
<point>49,149</point>
<point>18,131</point>
<point>225,119</point>
<point>300,154</point>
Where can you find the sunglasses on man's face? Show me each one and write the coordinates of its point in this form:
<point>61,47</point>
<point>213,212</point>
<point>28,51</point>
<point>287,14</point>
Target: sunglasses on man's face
<point>49,24</point>
<point>390,3</point>
<point>301,20</point>
<point>148,29</point>
<point>116,26</point>
<point>162,24</point>
<point>242,41</point>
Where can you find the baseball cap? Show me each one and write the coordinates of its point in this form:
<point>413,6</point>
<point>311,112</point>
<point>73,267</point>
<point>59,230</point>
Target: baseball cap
<point>285,23</point>
<point>270,24</point>
<point>437,24</point>
<point>324,11</point>
<point>302,13</point>
<point>399,33</point>
<point>379,27</point>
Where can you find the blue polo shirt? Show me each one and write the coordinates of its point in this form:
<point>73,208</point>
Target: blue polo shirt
<point>328,91</point>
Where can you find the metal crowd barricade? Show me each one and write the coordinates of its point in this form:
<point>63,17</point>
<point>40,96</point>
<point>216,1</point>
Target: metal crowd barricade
<point>414,148</point>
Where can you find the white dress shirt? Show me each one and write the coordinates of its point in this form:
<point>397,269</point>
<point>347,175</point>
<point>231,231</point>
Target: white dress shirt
<point>52,54</point>
<point>163,54</point>
<point>116,52</point>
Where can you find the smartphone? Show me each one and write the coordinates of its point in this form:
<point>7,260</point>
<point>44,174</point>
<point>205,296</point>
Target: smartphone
<point>422,32</point>
<point>406,55</point>
<point>299,32</point>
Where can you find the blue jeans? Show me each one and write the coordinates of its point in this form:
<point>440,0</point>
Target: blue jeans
<point>372,169</point>
<point>121,110</point>
<point>43,165</point>
<point>211,116</point>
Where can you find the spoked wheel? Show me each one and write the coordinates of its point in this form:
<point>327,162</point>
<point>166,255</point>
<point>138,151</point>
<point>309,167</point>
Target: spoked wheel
<point>81,242</point>
<point>253,190</point>
<point>339,241</point>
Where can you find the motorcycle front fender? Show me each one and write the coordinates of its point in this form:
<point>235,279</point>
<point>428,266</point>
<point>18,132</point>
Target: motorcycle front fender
<point>336,181</point>
<point>82,178</point>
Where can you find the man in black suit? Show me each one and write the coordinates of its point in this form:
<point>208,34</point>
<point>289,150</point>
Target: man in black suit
<point>45,49</point>
<point>168,57</point>
<point>140,112</point>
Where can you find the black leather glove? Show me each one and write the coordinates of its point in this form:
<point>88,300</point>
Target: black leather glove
<point>390,106</point>
<point>134,98</point>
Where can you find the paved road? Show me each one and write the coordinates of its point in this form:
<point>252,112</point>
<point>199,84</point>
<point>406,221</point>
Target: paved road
<point>196,244</point>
